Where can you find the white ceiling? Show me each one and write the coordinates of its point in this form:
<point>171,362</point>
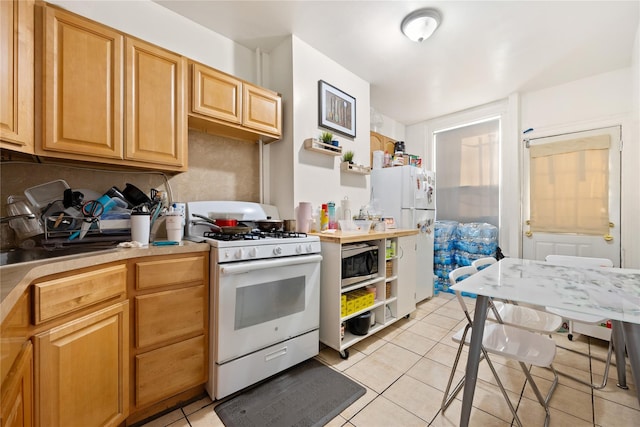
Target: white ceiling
<point>483,50</point>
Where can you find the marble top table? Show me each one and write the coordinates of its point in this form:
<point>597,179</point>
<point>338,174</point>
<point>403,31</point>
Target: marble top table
<point>612,293</point>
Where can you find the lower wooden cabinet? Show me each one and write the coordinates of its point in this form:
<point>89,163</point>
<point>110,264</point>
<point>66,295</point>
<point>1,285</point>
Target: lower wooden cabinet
<point>169,329</point>
<point>17,391</point>
<point>82,370</point>
<point>169,370</point>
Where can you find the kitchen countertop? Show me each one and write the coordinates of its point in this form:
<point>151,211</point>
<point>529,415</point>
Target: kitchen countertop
<point>15,278</point>
<point>351,237</point>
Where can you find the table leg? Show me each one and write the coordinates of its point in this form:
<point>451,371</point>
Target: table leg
<point>632,339</point>
<point>473,359</point>
<point>618,345</point>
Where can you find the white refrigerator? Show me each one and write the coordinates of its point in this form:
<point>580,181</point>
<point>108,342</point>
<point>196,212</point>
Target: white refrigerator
<point>407,193</point>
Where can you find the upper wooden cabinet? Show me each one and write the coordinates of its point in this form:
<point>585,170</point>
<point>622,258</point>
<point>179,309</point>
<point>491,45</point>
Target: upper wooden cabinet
<point>225,105</point>
<point>17,75</point>
<point>382,143</point>
<point>109,98</point>
<point>156,116</point>
<point>262,110</point>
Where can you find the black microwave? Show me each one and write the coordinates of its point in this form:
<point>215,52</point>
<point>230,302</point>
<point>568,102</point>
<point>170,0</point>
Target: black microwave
<point>359,262</point>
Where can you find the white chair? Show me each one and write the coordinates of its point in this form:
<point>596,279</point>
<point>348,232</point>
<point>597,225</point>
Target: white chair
<point>579,318</point>
<point>516,315</point>
<point>482,263</point>
<point>510,342</point>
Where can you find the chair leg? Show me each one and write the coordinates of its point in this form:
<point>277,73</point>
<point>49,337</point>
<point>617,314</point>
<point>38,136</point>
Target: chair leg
<point>607,364</point>
<point>502,389</point>
<point>446,400</point>
<point>544,401</point>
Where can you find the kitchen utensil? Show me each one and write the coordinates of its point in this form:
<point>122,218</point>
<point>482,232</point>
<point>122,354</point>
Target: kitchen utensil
<point>290,225</point>
<point>91,211</point>
<point>23,226</point>
<point>135,196</point>
<point>269,224</point>
<point>205,218</point>
<point>225,222</point>
<point>41,195</point>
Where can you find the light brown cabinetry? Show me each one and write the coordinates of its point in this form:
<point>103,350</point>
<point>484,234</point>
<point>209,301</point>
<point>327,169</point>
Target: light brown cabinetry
<point>108,98</point>
<point>17,75</point>
<point>82,370</point>
<point>170,328</point>
<point>379,142</point>
<point>228,106</point>
<point>16,367</point>
<point>16,402</point>
<point>155,122</point>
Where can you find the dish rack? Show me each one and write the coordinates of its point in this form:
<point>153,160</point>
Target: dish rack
<point>60,228</point>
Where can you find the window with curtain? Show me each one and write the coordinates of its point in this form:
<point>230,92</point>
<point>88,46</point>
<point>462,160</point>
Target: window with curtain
<point>468,172</point>
<point>569,188</point>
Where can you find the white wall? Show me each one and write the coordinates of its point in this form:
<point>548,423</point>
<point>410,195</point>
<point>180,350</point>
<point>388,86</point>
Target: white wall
<point>158,25</point>
<point>388,127</point>
<point>316,177</point>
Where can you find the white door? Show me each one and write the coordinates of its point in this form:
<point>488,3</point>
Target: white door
<point>572,195</point>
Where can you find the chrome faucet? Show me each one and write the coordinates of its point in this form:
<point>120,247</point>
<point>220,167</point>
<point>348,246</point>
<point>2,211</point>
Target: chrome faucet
<point>9,218</point>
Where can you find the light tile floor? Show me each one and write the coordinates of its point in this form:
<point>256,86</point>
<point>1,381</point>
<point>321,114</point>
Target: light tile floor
<point>405,369</point>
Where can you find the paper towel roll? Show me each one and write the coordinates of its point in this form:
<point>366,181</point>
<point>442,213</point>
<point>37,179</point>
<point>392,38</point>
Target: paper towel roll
<point>303,215</point>
<point>378,159</point>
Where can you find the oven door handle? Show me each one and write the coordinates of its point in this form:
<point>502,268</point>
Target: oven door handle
<point>246,267</point>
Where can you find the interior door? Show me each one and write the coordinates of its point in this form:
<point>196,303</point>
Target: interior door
<point>572,195</point>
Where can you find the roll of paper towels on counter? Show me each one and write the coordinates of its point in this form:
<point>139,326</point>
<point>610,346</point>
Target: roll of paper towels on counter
<point>378,159</point>
<point>303,215</point>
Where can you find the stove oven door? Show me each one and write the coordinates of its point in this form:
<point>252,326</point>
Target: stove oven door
<point>264,302</point>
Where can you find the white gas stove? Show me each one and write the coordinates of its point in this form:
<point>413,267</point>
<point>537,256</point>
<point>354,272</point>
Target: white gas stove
<point>264,294</point>
<point>247,244</point>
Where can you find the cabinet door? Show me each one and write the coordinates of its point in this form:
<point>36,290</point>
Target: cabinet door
<point>168,315</point>
<point>381,143</point>
<point>82,87</point>
<point>166,371</point>
<point>406,275</point>
<point>156,130</point>
<point>16,75</point>
<point>82,370</point>
<point>262,110</point>
<point>17,392</point>
<point>216,95</point>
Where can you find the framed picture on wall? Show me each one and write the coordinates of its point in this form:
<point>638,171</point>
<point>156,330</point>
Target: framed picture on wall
<point>336,110</point>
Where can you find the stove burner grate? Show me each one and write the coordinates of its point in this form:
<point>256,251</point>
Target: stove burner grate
<point>254,235</point>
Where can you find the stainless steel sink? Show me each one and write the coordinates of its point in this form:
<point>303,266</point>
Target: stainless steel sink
<point>14,256</point>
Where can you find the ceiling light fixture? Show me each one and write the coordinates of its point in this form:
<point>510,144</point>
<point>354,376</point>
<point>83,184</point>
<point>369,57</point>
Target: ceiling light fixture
<point>420,24</point>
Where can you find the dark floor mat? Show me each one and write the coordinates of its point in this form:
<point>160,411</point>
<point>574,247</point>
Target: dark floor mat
<point>309,394</point>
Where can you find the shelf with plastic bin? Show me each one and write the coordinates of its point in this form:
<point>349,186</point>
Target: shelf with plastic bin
<point>361,284</point>
<point>353,168</point>
<point>318,146</point>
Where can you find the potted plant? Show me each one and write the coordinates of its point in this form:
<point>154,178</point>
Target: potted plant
<point>348,157</point>
<point>326,137</point>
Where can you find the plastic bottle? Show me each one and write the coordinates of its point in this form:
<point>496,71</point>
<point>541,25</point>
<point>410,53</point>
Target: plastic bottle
<point>331,209</point>
<point>324,218</point>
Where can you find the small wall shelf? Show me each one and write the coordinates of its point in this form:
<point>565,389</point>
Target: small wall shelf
<point>318,146</point>
<point>353,168</point>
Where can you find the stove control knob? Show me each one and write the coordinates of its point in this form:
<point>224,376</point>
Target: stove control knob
<point>309,247</point>
<point>239,254</point>
<point>227,254</point>
<point>253,252</point>
<point>277,250</point>
<point>299,249</point>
